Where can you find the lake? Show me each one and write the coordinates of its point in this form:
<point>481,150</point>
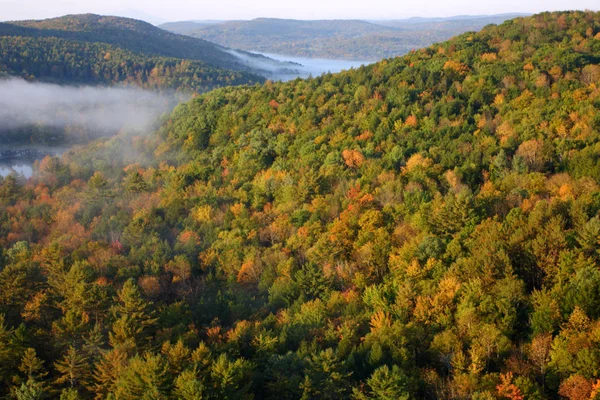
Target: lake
<point>313,66</point>
<point>19,160</point>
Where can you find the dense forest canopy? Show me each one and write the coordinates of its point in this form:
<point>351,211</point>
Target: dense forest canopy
<point>424,227</point>
<point>340,39</point>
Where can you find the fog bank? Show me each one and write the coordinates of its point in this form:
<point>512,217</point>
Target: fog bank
<point>306,67</point>
<point>281,67</point>
<point>98,109</point>
<point>271,68</point>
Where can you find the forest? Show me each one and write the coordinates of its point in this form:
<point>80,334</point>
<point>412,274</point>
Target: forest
<point>426,227</point>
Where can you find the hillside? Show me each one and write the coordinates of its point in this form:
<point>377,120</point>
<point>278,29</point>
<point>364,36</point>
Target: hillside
<point>341,39</point>
<point>97,49</point>
<point>75,62</point>
<point>129,34</point>
<point>426,227</point>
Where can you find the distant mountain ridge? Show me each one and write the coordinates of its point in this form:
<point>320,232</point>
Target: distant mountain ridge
<point>455,18</point>
<point>183,26</point>
<point>341,39</point>
<point>474,22</point>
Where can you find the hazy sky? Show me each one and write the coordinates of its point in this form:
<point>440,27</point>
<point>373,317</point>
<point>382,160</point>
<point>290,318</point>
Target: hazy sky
<point>174,10</point>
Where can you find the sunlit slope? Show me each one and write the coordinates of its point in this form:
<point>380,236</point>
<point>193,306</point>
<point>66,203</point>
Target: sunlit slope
<point>501,87</point>
<point>426,227</point>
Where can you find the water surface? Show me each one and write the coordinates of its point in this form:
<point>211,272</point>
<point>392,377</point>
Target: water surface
<point>19,160</point>
<point>313,66</point>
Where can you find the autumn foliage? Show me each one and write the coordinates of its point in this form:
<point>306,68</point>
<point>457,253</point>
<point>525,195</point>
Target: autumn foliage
<point>427,227</point>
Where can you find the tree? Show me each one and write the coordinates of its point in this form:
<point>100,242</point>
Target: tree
<point>134,182</point>
<point>188,387</point>
<point>576,387</point>
<point>144,377</point>
<point>386,384</point>
<point>73,368</point>
<point>539,353</point>
<point>107,372</point>
<point>178,356</point>
<point>326,376</point>
<point>98,181</point>
<point>9,190</point>
<point>230,379</point>
<point>133,318</point>
<point>70,394</point>
<point>30,390</point>
<point>32,368</point>
<point>7,350</point>
<point>507,389</point>
<point>312,282</point>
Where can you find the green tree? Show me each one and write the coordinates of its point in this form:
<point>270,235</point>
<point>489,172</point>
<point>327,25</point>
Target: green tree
<point>144,377</point>
<point>32,369</point>
<point>133,318</point>
<point>231,379</point>
<point>189,387</point>
<point>386,384</point>
<point>73,368</point>
<point>326,376</point>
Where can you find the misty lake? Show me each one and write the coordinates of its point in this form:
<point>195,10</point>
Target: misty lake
<point>19,160</point>
<point>39,119</point>
<point>314,66</point>
<point>104,108</point>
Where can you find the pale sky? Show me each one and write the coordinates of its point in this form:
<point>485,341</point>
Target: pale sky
<point>177,10</point>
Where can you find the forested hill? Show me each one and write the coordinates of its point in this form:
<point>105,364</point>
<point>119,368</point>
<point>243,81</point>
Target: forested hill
<point>130,34</point>
<point>426,227</point>
<point>95,49</point>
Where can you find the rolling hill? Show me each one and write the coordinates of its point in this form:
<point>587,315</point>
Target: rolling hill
<point>129,34</point>
<point>426,227</point>
<point>341,39</point>
<point>287,29</point>
<point>99,49</point>
<point>457,19</point>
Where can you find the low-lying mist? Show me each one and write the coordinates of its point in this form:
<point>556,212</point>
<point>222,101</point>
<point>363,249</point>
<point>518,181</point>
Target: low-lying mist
<point>314,66</point>
<point>271,68</point>
<point>284,68</point>
<point>99,110</point>
<point>39,119</point>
